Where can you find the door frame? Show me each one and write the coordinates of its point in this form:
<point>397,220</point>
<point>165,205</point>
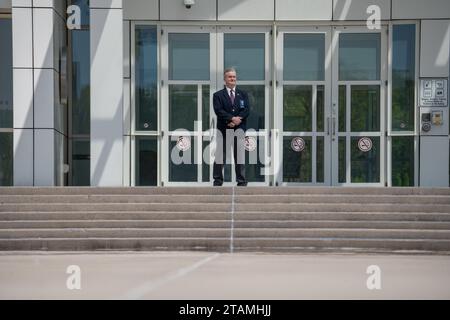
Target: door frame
<point>279,106</point>
<point>383,82</point>
<point>331,174</point>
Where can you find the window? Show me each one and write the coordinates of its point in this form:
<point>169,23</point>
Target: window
<point>6,103</point>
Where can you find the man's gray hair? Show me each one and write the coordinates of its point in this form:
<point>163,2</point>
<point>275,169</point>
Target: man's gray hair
<point>231,69</point>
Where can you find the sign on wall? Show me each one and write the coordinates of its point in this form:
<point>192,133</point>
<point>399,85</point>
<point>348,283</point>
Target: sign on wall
<point>433,92</point>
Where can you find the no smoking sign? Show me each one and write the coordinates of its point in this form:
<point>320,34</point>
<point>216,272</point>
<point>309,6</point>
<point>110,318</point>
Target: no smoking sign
<point>365,144</point>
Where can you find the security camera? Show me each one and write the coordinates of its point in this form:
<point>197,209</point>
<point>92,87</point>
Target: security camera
<point>189,3</point>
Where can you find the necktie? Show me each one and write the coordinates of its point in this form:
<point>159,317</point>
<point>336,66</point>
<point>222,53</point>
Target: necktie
<point>232,96</point>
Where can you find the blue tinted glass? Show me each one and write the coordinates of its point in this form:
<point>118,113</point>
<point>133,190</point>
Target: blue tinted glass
<point>84,7</point>
<point>403,77</point>
<point>146,78</point>
<point>304,57</point>
<point>6,98</point>
<point>189,56</point>
<point>245,52</point>
<point>359,56</point>
<point>81,82</point>
<point>6,159</point>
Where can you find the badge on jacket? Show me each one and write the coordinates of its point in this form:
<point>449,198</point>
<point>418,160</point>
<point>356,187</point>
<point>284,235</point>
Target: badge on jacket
<point>242,104</point>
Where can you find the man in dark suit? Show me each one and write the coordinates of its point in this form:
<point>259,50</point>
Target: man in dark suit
<point>232,108</point>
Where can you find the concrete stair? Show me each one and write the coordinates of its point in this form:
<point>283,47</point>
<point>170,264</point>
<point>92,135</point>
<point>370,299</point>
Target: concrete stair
<point>266,219</point>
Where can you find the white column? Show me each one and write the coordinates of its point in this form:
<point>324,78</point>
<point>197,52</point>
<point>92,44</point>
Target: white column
<point>39,117</point>
<point>106,92</point>
<point>22,25</point>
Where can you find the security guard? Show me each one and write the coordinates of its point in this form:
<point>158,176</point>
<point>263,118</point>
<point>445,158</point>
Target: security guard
<point>232,108</point>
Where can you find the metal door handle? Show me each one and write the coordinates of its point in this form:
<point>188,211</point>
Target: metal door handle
<point>334,126</point>
<point>328,126</point>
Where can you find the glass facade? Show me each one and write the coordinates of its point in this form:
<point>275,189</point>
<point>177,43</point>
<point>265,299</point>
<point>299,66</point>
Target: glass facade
<point>403,77</point>
<point>305,94</point>
<point>403,105</point>
<point>80,99</point>
<point>146,77</point>
<point>359,56</point>
<point>6,103</point>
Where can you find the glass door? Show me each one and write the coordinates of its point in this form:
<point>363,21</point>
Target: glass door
<point>358,107</point>
<point>247,50</point>
<point>188,81</point>
<point>330,110</point>
<point>302,114</point>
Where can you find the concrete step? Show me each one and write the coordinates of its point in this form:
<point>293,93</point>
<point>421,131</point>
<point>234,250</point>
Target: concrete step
<point>222,191</point>
<point>365,233</point>
<point>346,216</point>
<point>331,224</point>
<point>124,207</point>
<point>226,207</point>
<point>218,219</point>
<point>223,245</point>
<point>96,199</point>
<point>341,207</point>
<point>342,244</point>
<point>84,244</point>
<point>223,233</point>
<point>117,233</point>
<point>114,215</point>
<point>238,216</point>
<point>240,199</point>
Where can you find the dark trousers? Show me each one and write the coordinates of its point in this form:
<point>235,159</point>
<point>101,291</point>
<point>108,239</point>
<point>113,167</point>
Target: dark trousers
<point>223,157</point>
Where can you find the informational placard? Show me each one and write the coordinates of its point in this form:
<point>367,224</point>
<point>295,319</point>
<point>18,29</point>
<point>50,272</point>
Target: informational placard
<point>433,92</point>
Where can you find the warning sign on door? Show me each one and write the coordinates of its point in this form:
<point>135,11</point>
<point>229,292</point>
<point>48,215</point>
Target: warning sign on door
<point>433,92</point>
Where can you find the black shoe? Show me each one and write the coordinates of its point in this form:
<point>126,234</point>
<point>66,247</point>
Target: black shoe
<point>217,184</point>
<point>242,184</point>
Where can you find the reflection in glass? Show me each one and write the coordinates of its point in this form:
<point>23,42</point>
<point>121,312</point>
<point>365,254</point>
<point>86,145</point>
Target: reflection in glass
<point>365,108</point>
<point>342,154</point>
<point>359,56</point>
<point>297,108</point>
<point>256,97</point>
<point>146,161</point>
<point>206,125</point>
<point>403,77</point>
<point>320,162</point>
<point>189,56</point>
<point>6,159</point>
<point>81,162</point>
<point>320,109</point>
<point>183,172</point>
<point>304,57</point>
<point>146,78</point>
<point>402,161</point>
<point>297,166</point>
<point>6,79</point>
<point>81,78</point>
<point>342,109</point>
<point>245,52</point>
<point>206,167</point>
<point>182,107</point>
<point>365,165</point>
<point>254,170</point>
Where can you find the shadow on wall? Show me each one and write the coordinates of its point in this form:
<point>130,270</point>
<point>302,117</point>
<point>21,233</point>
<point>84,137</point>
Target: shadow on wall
<point>106,103</point>
<point>40,130</point>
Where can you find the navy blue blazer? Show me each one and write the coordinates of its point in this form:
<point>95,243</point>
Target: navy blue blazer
<point>225,111</point>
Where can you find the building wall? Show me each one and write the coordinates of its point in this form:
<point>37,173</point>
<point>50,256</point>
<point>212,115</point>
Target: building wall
<point>39,116</point>
<point>284,10</point>
<point>37,38</point>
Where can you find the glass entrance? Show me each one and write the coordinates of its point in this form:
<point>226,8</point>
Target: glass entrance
<point>188,81</point>
<point>193,61</point>
<point>330,107</point>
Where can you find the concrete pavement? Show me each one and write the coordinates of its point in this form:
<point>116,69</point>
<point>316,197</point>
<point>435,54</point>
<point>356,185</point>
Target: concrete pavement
<point>202,275</point>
